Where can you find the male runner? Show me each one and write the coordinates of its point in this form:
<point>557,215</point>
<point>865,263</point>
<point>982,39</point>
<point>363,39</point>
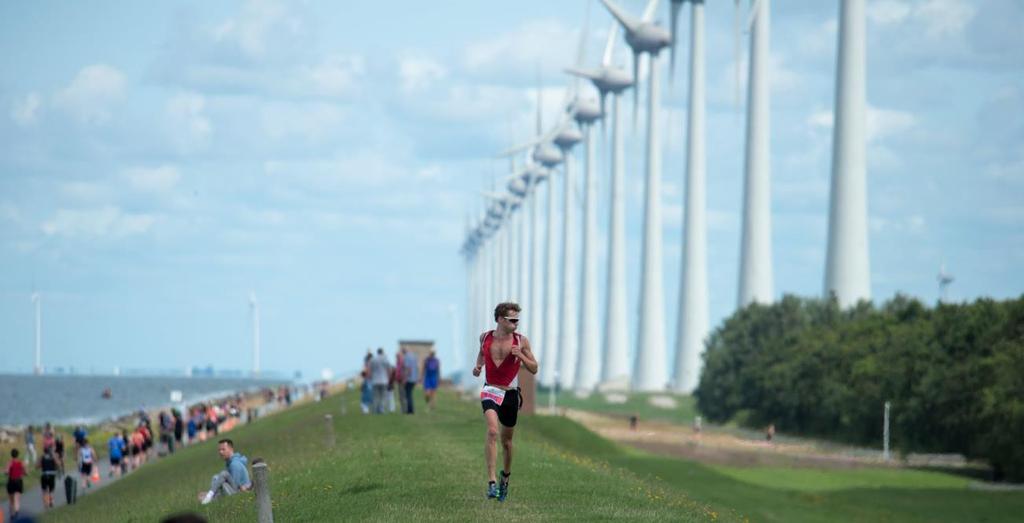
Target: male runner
<point>502,351</point>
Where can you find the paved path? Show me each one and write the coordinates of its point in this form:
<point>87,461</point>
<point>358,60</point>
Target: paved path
<point>32,499</point>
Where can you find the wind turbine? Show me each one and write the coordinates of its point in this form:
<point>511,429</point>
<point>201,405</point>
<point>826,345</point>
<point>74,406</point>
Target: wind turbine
<point>847,270</point>
<point>650,371</point>
<point>944,279</point>
<point>254,306</point>
<point>38,368</point>
<point>609,79</point>
<point>756,283</point>
<point>692,326</point>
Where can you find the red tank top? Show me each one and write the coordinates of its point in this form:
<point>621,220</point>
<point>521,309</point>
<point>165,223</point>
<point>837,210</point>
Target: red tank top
<point>499,374</point>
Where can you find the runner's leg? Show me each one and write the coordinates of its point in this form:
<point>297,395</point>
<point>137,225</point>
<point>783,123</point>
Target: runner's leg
<point>490,446</point>
<point>506,444</point>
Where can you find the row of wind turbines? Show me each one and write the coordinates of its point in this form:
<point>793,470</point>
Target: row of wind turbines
<point>509,258</point>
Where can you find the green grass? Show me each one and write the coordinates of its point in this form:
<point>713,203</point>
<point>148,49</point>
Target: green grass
<point>636,404</point>
<point>423,467</point>
<point>821,480</point>
<point>430,467</point>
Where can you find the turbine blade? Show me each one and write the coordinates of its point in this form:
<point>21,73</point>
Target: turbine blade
<point>677,5</point>
<point>736,52</point>
<point>649,12</point>
<point>628,22</point>
<point>588,73</point>
<point>520,148</point>
<point>755,9</point>
<point>581,49</point>
<point>609,46</point>
<point>636,86</point>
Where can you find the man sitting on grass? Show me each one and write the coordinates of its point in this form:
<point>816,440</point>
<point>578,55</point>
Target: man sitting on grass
<point>234,477</point>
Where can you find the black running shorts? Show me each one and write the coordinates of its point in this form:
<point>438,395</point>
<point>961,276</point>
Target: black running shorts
<point>48,482</point>
<point>508,411</point>
<point>15,486</point>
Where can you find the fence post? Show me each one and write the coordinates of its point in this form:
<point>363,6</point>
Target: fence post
<point>261,484</point>
<point>329,421</point>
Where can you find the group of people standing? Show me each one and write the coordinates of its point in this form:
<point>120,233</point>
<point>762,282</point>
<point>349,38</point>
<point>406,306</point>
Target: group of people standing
<point>381,379</point>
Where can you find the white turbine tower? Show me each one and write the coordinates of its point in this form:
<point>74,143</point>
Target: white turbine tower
<point>692,326</point>
<point>847,271</point>
<point>568,343</point>
<point>756,283</point>
<point>609,79</point>
<point>650,370</point>
<point>38,368</point>
<point>254,306</point>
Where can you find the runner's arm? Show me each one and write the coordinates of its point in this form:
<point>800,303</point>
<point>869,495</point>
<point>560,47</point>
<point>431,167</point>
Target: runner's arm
<point>479,357</point>
<point>526,355</point>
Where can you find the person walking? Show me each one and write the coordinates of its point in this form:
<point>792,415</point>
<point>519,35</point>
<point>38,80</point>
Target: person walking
<point>48,478</point>
<point>400,379</point>
<point>86,462</point>
<point>411,373</point>
<point>380,374</point>
<point>431,377</point>
<point>235,476</point>
<point>30,444</point>
<point>502,352</point>
<point>115,451</point>
<point>15,485</point>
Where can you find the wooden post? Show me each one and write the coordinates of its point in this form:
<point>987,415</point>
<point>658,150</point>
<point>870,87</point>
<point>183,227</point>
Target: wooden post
<point>329,421</point>
<point>261,484</point>
<point>528,383</point>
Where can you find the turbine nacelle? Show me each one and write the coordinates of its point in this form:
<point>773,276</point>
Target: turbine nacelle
<point>547,155</point>
<point>648,38</point>
<point>586,111</point>
<point>567,137</point>
<point>517,186</point>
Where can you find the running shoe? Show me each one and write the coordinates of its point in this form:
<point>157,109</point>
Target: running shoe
<point>503,487</point>
<point>492,490</point>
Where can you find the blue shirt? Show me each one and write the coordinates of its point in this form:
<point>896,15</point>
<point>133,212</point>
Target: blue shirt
<point>115,447</point>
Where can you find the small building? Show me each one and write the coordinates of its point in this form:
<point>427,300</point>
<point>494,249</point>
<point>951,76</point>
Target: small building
<point>421,348</point>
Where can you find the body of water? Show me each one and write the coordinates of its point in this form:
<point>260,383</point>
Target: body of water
<point>79,399</point>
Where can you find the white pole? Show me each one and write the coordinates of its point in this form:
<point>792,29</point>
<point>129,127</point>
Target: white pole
<point>650,372</point>
<point>756,283</point>
<point>255,335</point>
<point>38,369</point>
<point>588,369</point>
<point>522,249</point>
<point>568,341</point>
<point>847,272</point>
<point>536,310</point>
<point>885,434</point>
<point>693,291</point>
<point>616,330</point>
<point>549,368</point>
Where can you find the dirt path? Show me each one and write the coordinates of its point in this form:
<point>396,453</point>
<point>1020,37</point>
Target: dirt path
<point>716,446</point>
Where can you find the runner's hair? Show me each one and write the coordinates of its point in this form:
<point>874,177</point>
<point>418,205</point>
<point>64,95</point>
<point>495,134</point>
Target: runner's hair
<point>504,308</point>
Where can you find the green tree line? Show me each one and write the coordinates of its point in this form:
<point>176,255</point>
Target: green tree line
<point>954,374</point>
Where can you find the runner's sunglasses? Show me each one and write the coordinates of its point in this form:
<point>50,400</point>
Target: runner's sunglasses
<point>513,320</point>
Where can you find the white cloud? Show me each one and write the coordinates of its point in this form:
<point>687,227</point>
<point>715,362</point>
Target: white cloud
<point>106,221</point>
<point>92,92</point>
<point>519,52</point>
<point>187,124</point>
<point>944,18</point>
<point>880,123</point>
<point>152,179</point>
<point>419,73</point>
<point>25,111</point>
<point>260,22</point>
<point>313,121</point>
<point>336,75</point>
<point>887,12</point>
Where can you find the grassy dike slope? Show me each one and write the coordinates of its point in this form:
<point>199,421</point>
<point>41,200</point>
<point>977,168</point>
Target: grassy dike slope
<point>423,467</point>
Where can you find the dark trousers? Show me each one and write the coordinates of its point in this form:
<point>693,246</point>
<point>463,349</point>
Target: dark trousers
<point>409,385</point>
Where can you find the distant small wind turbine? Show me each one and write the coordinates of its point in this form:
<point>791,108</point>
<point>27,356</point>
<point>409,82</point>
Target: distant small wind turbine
<point>944,279</point>
<point>254,306</point>
<point>38,369</point>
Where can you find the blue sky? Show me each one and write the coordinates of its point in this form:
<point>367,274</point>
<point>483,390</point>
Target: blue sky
<point>159,161</point>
